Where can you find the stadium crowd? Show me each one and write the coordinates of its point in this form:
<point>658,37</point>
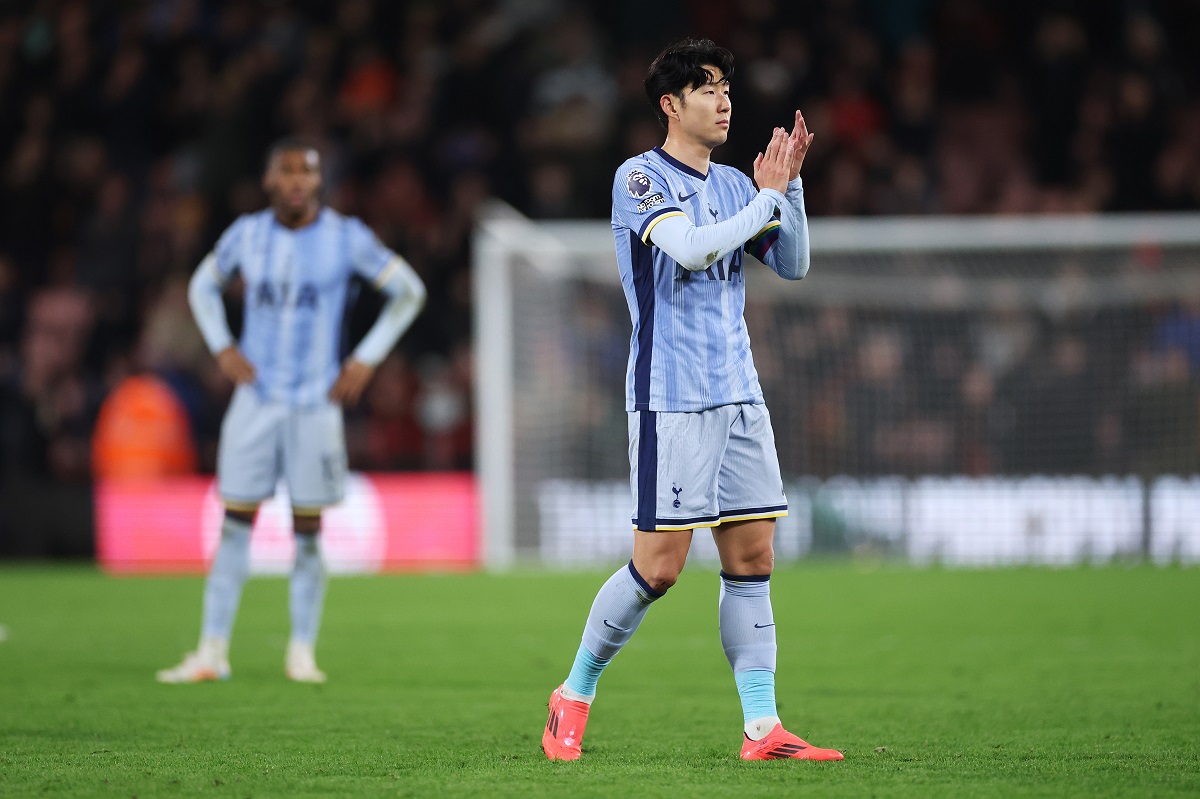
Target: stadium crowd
<point>133,133</point>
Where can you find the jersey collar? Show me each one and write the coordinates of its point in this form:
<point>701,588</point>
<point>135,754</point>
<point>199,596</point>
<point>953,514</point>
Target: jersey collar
<point>682,167</point>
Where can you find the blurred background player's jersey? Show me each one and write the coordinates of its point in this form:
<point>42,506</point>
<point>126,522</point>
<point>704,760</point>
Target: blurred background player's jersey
<point>296,283</point>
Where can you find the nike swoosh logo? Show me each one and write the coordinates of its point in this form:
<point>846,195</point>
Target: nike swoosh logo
<point>615,627</point>
<point>685,197</point>
<point>757,626</point>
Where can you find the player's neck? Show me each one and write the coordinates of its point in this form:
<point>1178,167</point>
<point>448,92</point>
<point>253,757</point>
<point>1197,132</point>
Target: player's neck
<point>295,222</point>
<point>693,153</point>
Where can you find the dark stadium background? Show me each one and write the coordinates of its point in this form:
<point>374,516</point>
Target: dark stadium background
<point>132,133</point>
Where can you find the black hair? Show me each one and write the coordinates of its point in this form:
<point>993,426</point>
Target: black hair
<point>682,66</point>
<point>289,144</point>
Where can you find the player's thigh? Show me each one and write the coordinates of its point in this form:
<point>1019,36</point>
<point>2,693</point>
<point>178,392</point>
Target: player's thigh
<point>314,458</point>
<point>249,453</point>
<point>749,483</point>
<point>674,459</point>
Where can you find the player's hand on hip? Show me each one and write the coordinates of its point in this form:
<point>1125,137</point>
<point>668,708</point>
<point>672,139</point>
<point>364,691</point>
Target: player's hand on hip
<point>772,168</point>
<point>801,140</point>
<point>351,382</point>
<point>235,366</point>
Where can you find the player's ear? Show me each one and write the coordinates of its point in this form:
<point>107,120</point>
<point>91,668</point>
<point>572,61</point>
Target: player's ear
<point>669,105</point>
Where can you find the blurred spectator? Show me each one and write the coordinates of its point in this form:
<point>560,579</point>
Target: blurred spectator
<point>1058,71</point>
<point>1056,411</point>
<point>1180,331</point>
<point>978,437</point>
<point>142,433</point>
<point>390,437</point>
<point>50,404</point>
<point>444,410</point>
<point>879,401</point>
<point>1163,418</point>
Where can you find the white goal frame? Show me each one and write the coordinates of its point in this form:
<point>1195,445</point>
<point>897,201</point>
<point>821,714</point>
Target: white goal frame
<point>561,246</point>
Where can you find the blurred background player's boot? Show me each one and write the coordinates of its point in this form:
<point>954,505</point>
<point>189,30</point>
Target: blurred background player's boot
<point>301,663</point>
<point>209,662</point>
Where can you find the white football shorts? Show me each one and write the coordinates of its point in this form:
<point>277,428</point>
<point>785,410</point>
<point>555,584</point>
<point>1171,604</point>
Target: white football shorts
<point>263,441</point>
<point>700,469</point>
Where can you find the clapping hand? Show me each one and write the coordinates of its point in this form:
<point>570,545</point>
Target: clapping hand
<point>771,168</point>
<point>800,140</point>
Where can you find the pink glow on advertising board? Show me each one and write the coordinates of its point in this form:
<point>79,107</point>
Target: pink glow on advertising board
<point>388,522</point>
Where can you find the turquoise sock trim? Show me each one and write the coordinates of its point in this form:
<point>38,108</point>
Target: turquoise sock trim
<point>585,672</point>
<point>756,688</point>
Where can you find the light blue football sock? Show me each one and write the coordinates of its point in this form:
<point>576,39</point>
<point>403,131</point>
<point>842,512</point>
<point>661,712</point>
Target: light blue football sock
<point>619,607</point>
<point>223,588</point>
<point>306,591</point>
<point>756,688</point>
<point>585,672</point>
<point>748,637</point>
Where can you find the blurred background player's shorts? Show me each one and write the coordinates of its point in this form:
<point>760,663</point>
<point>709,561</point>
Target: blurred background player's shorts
<point>263,441</point>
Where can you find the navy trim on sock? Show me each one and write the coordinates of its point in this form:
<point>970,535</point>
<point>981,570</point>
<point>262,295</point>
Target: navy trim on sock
<point>645,585</point>
<point>737,578</point>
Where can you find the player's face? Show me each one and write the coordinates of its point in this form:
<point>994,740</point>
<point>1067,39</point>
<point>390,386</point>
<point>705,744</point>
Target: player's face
<point>292,181</point>
<point>705,110</point>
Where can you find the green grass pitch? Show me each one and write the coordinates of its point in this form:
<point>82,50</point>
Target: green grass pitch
<point>934,683</point>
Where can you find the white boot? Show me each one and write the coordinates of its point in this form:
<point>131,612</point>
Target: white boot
<point>209,662</point>
<point>301,663</point>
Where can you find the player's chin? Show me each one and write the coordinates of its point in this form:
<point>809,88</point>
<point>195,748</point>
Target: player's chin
<point>720,136</point>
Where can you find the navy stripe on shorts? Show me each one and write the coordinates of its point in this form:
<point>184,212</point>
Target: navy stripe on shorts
<point>647,472</point>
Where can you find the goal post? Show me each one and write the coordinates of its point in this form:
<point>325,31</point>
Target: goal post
<point>975,391</point>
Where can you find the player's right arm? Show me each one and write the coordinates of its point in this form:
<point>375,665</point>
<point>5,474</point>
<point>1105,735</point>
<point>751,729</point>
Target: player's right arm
<point>694,248</point>
<point>204,297</point>
<point>783,243</point>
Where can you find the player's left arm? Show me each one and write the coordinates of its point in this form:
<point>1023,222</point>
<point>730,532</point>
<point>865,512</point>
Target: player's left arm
<point>406,297</point>
<point>783,244</point>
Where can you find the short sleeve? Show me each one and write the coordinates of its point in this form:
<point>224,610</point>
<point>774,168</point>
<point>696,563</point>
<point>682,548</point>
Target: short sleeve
<point>368,255</point>
<point>641,198</point>
<point>228,252</point>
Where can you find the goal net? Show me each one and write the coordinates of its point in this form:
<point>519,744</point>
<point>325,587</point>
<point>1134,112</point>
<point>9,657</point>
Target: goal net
<point>961,391</point>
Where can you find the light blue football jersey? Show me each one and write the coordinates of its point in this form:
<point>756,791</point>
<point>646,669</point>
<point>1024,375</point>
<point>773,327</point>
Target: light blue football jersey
<point>690,350</point>
<point>296,284</point>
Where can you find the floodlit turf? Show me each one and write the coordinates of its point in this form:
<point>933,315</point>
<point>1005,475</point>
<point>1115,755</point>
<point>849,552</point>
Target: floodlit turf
<point>1007,683</point>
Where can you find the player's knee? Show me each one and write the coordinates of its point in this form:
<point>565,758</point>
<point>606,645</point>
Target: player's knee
<point>306,523</point>
<point>661,576</point>
<point>759,559</point>
<point>245,516</point>
<point>764,559</point>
